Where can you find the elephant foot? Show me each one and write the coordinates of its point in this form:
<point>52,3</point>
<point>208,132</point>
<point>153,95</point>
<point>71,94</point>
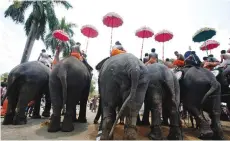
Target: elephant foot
<point>105,135</point>
<point>19,120</point>
<point>145,122</point>
<point>121,122</point>
<point>205,131</point>
<point>46,114</point>
<point>218,133</point>
<point>8,119</point>
<point>54,125</point>
<point>67,124</point>
<point>95,122</point>
<point>155,133</point>
<point>138,122</point>
<point>36,117</point>
<point>130,133</point>
<point>175,133</point>
<point>82,120</point>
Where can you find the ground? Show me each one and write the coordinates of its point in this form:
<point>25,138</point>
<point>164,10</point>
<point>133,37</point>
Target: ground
<point>36,130</point>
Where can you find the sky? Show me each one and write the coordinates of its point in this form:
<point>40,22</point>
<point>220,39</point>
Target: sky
<point>182,17</point>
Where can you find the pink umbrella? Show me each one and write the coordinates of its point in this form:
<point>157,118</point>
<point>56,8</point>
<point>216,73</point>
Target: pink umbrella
<point>144,32</point>
<point>60,35</point>
<point>112,20</point>
<point>90,32</point>
<point>163,36</point>
<point>209,45</point>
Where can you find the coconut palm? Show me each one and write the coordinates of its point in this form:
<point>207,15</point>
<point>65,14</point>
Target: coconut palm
<point>52,43</point>
<point>35,26</point>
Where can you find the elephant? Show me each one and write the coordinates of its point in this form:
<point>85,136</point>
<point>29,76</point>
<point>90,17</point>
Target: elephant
<point>125,77</point>
<point>163,93</point>
<point>201,91</point>
<point>26,82</point>
<point>69,83</point>
<point>224,82</point>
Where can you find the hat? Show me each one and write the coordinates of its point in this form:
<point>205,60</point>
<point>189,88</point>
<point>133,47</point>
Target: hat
<point>117,43</point>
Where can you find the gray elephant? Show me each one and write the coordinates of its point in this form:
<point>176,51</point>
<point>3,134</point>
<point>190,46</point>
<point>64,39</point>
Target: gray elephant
<point>201,91</point>
<point>69,83</point>
<point>27,82</point>
<point>163,91</point>
<point>125,77</point>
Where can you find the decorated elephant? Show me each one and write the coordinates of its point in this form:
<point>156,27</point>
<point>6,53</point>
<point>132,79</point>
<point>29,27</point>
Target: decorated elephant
<point>201,91</point>
<point>163,93</point>
<point>69,83</point>
<point>125,77</point>
<point>27,82</point>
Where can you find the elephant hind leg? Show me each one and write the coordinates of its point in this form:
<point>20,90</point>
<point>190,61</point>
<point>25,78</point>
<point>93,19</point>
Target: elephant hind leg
<point>10,113</point>
<point>204,127</point>
<point>55,95</point>
<point>83,105</point>
<point>156,105</point>
<point>26,94</point>
<point>109,115</point>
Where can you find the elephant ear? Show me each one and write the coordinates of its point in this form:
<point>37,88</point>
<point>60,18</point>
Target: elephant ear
<point>100,64</point>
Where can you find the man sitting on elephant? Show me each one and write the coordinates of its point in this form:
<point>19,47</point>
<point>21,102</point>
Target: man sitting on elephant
<point>152,59</point>
<point>117,49</point>
<point>211,62</point>
<point>180,60</point>
<point>77,53</point>
<point>191,59</point>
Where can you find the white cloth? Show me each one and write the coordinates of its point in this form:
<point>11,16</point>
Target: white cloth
<point>226,60</point>
<point>44,58</point>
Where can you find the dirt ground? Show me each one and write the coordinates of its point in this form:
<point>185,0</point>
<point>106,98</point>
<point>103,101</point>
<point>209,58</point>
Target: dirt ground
<point>35,130</point>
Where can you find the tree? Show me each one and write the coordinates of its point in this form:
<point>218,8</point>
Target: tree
<point>35,26</point>
<point>52,43</point>
<point>4,75</point>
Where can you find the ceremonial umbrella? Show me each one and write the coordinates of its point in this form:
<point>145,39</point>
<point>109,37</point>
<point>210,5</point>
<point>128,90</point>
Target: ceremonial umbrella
<point>209,45</point>
<point>204,34</point>
<point>60,35</point>
<point>90,32</point>
<point>112,20</point>
<point>163,36</point>
<point>144,32</point>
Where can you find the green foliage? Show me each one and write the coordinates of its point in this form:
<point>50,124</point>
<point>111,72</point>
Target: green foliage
<point>42,14</point>
<point>4,75</point>
<point>52,43</point>
<point>92,86</point>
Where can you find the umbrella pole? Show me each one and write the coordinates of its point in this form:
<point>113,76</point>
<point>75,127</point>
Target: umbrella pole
<point>87,43</point>
<point>111,39</point>
<point>142,45</point>
<point>163,52</point>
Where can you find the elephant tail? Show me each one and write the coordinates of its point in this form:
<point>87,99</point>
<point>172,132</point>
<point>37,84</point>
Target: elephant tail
<point>135,75</point>
<point>214,87</point>
<point>63,77</point>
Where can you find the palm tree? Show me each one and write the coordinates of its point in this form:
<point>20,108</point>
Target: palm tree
<point>52,43</point>
<point>35,26</point>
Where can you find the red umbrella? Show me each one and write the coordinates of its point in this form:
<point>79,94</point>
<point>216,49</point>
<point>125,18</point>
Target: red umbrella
<point>163,36</point>
<point>209,45</point>
<point>60,35</point>
<point>144,32</point>
<point>90,32</point>
<point>112,20</point>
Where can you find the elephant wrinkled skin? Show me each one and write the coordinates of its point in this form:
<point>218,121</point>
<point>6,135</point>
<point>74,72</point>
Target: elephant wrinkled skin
<point>200,90</point>
<point>163,91</point>
<point>124,77</point>
<point>69,83</point>
<point>27,82</point>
